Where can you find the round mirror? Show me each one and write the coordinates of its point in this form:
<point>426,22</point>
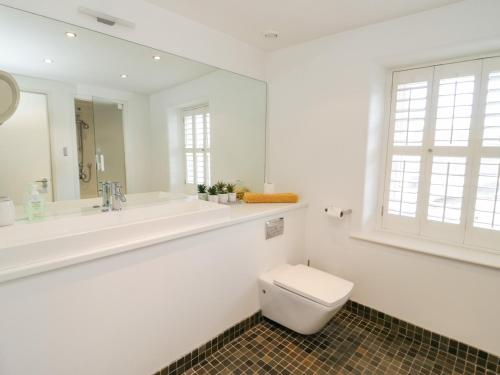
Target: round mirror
<point>9,96</point>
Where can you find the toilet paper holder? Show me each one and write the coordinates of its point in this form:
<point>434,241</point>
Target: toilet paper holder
<point>338,213</point>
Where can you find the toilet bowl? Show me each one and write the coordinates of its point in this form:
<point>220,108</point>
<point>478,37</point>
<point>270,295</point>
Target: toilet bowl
<point>302,298</point>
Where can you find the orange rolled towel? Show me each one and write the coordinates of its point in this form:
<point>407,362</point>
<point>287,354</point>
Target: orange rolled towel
<point>271,198</point>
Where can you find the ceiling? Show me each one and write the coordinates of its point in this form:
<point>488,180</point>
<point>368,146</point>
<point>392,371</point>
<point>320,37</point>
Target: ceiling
<point>296,20</point>
<point>91,58</point>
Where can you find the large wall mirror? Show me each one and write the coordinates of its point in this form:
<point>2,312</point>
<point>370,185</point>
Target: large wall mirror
<point>95,108</point>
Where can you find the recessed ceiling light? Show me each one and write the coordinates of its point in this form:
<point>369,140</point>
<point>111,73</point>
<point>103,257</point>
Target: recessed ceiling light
<point>156,57</point>
<point>69,34</point>
<point>271,34</point>
<point>48,61</point>
<point>124,76</point>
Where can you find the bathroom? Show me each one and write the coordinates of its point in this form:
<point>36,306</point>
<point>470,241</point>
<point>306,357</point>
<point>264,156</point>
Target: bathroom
<point>273,99</point>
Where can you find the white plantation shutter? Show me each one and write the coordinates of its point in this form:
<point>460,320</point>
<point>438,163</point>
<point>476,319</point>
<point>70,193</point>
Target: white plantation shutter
<point>197,145</point>
<point>411,103</point>
<point>484,208</point>
<point>409,117</point>
<point>491,133</point>
<point>446,189</point>
<point>403,189</point>
<point>487,206</point>
<point>450,149</point>
<point>443,165</point>
<point>454,111</point>
<point>189,168</point>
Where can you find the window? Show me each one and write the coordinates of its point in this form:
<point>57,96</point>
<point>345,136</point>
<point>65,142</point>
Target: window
<point>443,164</point>
<point>197,145</point>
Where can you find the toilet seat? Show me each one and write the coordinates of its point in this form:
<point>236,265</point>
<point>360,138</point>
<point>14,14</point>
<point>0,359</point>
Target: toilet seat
<point>315,285</point>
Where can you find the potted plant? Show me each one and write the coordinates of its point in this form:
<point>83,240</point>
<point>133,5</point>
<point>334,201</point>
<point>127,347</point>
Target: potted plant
<point>202,192</point>
<point>221,190</point>
<point>231,193</point>
<point>212,194</point>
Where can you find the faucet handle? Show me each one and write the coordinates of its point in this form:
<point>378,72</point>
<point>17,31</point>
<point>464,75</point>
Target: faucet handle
<point>117,192</point>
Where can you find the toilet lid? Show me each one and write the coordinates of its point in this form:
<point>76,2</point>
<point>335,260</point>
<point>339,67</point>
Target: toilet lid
<point>314,284</point>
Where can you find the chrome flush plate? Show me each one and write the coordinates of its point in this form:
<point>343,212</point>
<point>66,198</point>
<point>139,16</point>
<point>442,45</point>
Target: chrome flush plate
<point>275,227</point>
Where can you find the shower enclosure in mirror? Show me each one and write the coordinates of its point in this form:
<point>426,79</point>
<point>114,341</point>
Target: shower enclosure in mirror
<point>101,150</point>
<point>95,108</point>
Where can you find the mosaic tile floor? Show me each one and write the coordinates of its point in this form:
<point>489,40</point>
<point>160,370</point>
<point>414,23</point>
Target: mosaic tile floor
<point>349,344</point>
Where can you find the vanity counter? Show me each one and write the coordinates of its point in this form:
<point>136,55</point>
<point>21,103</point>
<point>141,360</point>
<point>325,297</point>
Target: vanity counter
<point>250,211</point>
<point>30,248</point>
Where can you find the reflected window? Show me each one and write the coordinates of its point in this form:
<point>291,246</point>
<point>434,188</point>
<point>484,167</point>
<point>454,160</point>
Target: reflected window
<point>197,145</point>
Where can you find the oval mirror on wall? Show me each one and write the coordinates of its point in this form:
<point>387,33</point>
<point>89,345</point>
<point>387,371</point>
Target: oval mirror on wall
<point>9,96</point>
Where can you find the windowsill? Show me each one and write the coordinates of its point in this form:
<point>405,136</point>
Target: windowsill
<point>478,256</point>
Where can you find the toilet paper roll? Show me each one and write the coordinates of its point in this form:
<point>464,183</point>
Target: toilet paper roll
<point>268,188</point>
<point>336,212</point>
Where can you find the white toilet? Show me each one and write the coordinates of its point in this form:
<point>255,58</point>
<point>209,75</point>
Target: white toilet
<point>302,298</point>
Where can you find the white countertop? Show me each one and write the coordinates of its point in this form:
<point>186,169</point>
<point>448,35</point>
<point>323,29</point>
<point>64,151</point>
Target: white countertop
<point>250,211</point>
<point>28,249</point>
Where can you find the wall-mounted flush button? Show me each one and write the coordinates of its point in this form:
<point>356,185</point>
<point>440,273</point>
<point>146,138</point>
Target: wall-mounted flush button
<point>275,227</point>
<point>65,151</point>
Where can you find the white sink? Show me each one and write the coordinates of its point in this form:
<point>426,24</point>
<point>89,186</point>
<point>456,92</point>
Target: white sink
<point>86,206</point>
<point>90,234</point>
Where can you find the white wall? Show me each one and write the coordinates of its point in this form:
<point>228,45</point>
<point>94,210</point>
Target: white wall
<point>237,119</point>
<point>60,100</point>
<point>157,28</point>
<point>326,110</point>
<point>25,137</point>
<point>137,312</point>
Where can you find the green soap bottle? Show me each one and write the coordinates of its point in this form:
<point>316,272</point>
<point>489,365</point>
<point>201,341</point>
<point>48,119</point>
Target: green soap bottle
<point>34,204</point>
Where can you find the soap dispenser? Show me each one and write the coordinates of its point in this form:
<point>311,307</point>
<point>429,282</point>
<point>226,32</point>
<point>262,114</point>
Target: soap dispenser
<point>34,204</point>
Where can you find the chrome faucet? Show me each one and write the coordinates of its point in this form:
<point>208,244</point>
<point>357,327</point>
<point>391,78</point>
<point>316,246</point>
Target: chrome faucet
<point>105,191</point>
<point>112,196</point>
<point>117,196</point>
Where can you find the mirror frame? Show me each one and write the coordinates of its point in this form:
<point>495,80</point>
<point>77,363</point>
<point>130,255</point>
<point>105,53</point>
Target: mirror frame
<point>16,94</point>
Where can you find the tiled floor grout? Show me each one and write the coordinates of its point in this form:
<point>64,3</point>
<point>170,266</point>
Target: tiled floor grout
<point>349,344</point>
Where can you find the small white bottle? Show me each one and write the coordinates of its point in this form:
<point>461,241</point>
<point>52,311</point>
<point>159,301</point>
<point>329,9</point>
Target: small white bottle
<point>7,211</point>
<point>34,204</point>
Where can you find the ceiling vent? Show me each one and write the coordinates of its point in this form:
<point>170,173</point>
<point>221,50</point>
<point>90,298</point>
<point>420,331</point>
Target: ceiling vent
<point>271,34</point>
<point>104,18</point>
<point>106,21</point>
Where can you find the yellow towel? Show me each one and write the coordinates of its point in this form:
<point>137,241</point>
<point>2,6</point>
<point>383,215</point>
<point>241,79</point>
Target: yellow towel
<point>271,198</point>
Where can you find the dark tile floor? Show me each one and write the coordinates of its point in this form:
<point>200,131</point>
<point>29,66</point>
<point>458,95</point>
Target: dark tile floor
<point>349,344</point>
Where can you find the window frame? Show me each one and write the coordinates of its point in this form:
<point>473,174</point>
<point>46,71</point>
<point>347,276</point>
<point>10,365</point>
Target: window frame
<point>463,234</point>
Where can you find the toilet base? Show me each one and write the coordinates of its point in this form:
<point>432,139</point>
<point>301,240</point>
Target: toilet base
<point>293,311</point>
<point>302,327</point>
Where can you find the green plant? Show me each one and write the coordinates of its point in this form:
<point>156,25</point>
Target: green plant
<point>212,190</point>
<point>202,188</point>
<point>221,187</point>
<point>230,188</point>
